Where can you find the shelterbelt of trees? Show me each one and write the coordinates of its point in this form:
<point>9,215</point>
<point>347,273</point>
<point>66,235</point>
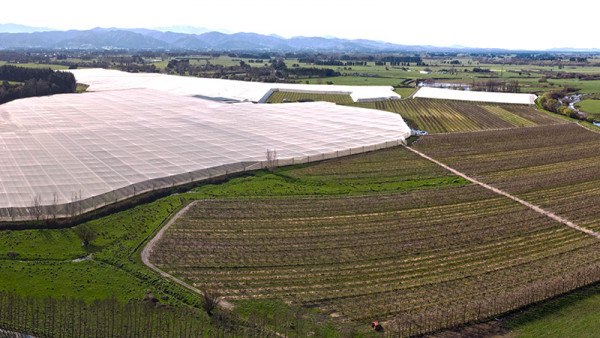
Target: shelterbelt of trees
<point>33,82</point>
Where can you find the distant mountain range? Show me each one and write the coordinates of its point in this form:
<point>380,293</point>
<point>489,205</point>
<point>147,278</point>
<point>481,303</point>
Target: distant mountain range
<point>14,36</point>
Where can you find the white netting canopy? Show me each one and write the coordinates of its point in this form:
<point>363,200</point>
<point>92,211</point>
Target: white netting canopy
<point>466,95</point>
<point>102,79</point>
<point>97,148</point>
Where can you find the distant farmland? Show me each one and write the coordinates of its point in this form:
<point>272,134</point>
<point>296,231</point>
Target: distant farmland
<point>440,116</point>
<point>280,96</point>
<point>420,259</point>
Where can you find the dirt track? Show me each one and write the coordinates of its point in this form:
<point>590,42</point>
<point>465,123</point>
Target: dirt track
<point>148,251</point>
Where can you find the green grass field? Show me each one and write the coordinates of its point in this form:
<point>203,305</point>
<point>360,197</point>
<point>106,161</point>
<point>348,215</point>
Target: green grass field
<point>87,280</point>
<point>46,255</point>
<point>591,106</point>
<point>404,92</point>
<point>12,82</point>
<point>35,65</point>
<point>573,315</point>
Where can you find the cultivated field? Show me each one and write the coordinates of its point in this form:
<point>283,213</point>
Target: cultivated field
<point>442,116</point>
<point>279,97</point>
<point>556,167</point>
<point>421,259</point>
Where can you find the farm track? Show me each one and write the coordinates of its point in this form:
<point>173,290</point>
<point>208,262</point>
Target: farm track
<point>147,251</point>
<point>586,128</point>
<point>412,94</point>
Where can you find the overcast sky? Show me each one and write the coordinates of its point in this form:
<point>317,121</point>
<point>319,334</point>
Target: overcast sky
<point>517,24</point>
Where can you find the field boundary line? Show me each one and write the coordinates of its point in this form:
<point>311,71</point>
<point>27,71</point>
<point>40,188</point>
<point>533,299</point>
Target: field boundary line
<point>586,128</point>
<point>147,251</point>
<point>514,198</point>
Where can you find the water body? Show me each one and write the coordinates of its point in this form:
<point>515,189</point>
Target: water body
<point>574,100</point>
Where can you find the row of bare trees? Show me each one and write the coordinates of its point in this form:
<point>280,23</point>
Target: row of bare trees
<point>492,85</point>
<point>39,211</point>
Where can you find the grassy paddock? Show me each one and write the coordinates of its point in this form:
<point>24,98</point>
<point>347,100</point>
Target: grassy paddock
<point>87,280</point>
<point>590,106</point>
<point>404,91</point>
<point>46,254</point>
<point>572,315</point>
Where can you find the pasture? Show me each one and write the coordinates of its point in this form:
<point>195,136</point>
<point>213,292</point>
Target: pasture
<point>44,266</point>
<point>573,315</point>
<point>591,106</point>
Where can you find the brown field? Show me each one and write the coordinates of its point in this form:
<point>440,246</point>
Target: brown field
<point>555,167</point>
<point>419,260</point>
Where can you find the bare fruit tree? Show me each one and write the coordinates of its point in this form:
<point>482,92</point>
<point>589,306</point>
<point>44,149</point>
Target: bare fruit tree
<point>76,207</point>
<point>54,208</point>
<point>210,300</point>
<point>271,159</point>
<point>37,210</point>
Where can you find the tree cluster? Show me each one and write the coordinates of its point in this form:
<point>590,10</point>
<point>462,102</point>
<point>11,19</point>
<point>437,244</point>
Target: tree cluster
<point>497,86</point>
<point>35,82</point>
<point>275,71</point>
<point>558,101</point>
<point>571,75</point>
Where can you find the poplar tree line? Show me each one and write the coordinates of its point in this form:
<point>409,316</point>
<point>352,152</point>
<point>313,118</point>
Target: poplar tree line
<point>49,317</point>
<point>69,317</point>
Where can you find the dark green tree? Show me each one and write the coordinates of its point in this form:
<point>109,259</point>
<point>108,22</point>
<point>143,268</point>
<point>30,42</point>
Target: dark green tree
<point>85,233</point>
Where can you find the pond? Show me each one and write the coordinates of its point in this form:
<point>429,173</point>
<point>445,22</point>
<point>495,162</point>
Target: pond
<point>417,132</point>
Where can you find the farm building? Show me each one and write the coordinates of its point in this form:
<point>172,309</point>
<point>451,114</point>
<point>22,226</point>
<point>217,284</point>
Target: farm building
<point>82,151</point>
